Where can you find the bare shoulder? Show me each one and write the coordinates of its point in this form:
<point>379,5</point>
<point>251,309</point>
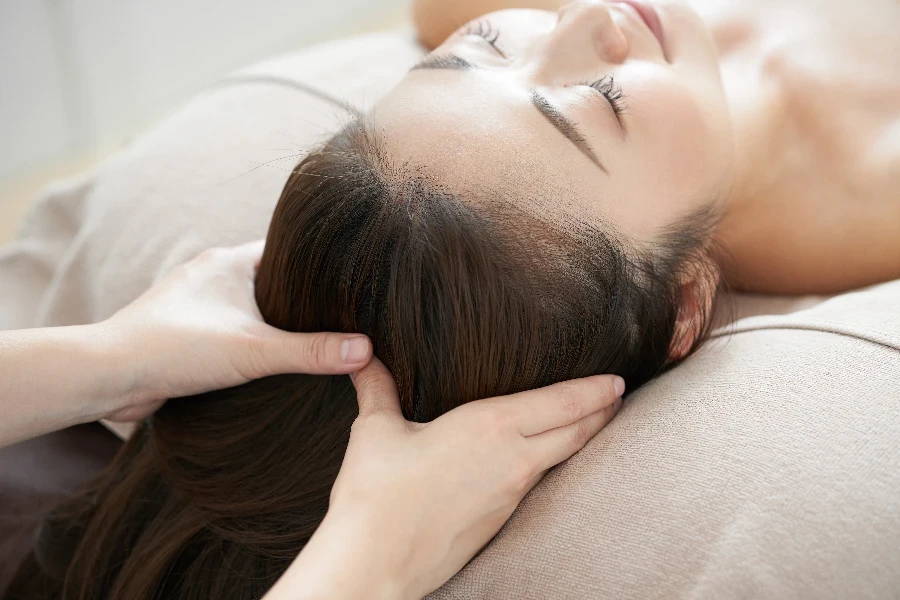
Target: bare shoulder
<point>827,227</point>
<point>826,217</point>
<point>830,220</point>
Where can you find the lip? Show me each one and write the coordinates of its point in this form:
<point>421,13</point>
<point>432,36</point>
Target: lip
<point>650,17</point>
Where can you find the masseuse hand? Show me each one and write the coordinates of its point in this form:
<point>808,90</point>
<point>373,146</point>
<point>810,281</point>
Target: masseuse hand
<point>196,330</point>
<point>199,329</point>
<point>413,502</point>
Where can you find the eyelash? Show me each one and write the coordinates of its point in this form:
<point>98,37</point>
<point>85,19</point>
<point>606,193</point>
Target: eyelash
<point>612,91</point>
<point>606,86</point>
<point>484,30</point>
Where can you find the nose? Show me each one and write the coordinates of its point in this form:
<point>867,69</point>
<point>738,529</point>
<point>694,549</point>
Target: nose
<point>585,30</point>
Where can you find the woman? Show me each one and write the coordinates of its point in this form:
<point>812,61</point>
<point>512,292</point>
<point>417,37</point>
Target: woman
<point>551,203</point>
<point>782,115</point>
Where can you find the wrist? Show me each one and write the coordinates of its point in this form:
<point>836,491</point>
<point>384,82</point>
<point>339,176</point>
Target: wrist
<point>348,559</point>
<point>118,385</point>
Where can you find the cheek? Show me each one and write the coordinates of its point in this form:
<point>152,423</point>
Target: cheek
<point>684,133</point>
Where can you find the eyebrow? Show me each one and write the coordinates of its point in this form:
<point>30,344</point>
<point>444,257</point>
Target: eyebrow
<point>443,61</point>
<point>564,125</point>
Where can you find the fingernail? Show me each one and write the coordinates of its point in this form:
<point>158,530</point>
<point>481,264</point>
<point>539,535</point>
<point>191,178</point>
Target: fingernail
<point>355,349</point>
<point>619,385</point>
<point>617,403</point>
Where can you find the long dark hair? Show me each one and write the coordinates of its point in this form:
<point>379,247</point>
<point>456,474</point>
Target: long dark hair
<point>216,494</point>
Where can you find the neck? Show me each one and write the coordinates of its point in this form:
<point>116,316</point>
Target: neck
<point>759,113</point>
<point>760,109</point>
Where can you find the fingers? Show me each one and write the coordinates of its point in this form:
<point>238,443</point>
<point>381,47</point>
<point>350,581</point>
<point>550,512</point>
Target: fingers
<point>312,353</point>
<point>536,411</point>
<point>245,257</point>
<point>316,353</point>
<point>240,260</point>
<point>251,251</point>
<point>376,390</point>
<point>249,255</point>
<point>550,448</point>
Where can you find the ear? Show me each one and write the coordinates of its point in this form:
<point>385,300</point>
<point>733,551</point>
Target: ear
<point>689,324</point>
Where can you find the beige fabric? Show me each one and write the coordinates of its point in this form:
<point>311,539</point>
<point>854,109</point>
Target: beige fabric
<point>766,466</point>
<point>209,174</point>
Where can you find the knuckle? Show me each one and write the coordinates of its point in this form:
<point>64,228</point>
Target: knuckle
<point>581,433</point>
<point>257,347</point>
<point>498,418</point>
<point>570,397</point>
<point>255,353</point>
<point>571,407</point>
<point>316,352</point>
<point>521,472</point>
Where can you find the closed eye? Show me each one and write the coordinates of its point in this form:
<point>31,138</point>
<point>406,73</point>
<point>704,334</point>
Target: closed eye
<point>611,91</point>
<point>486,31</point>
<point>454,62</point>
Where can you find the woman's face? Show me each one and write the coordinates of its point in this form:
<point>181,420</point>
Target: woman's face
<point>580,114</point>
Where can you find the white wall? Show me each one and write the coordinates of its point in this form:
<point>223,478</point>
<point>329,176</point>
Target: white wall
<point>76,75</point>
<point>34,122</point>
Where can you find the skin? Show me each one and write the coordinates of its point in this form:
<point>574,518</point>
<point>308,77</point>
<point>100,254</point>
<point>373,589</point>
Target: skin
<point>196,330</point>
<point>413,502</point>
<point>782,113</point>
<point>667,154</point>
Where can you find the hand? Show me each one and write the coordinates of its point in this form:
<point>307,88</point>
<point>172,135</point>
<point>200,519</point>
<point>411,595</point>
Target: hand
<point>418,500</point>
<point>199,329</point>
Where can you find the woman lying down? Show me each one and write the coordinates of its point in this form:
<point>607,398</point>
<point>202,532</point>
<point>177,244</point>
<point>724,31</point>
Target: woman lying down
<point>549,194</point>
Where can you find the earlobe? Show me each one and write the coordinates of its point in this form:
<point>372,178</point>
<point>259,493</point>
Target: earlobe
<point>689,324</point>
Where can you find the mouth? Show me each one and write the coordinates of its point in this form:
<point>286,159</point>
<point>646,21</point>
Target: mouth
<point>649,15</point>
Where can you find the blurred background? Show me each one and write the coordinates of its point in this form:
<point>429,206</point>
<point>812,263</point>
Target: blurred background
<point>80,77</point>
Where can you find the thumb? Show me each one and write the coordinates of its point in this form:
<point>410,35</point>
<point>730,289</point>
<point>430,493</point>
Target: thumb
<point>376,390</point>
<point>316,353</point>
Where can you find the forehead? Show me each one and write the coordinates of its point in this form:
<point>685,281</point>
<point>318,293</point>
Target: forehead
<point>483,139</point>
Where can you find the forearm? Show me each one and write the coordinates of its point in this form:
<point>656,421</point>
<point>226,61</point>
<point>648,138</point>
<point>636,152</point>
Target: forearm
<point>343,561</point>
<point>435,20</point>
<point>55,377</point>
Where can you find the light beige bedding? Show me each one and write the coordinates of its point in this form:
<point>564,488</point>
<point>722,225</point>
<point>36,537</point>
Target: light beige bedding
<point>767,466</point>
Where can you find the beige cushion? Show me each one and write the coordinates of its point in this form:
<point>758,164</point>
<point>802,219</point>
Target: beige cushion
<point>766,466</point>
